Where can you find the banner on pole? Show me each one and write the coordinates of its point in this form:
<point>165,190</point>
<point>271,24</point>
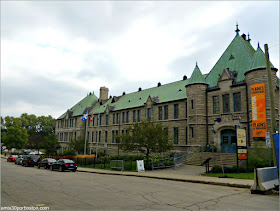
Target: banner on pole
<point>258,110</point>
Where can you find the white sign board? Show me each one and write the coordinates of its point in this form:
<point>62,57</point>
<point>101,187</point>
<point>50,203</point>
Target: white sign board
<point>267,140</point>
<point>140,166</point>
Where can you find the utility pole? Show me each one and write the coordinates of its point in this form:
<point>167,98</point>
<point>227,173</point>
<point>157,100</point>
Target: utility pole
<point>271,100</point>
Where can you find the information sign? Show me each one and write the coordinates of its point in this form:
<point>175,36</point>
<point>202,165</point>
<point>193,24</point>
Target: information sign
<point>241,137</point>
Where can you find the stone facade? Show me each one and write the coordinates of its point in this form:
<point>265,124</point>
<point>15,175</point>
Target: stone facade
<point>203,116</point>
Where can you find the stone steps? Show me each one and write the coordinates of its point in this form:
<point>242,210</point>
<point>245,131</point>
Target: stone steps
<point>228,159</point>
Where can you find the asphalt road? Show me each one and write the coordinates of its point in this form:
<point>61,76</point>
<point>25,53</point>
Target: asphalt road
<point>29,186</point>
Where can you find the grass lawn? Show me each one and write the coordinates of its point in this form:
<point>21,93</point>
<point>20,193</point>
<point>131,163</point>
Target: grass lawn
<point>232,175</point>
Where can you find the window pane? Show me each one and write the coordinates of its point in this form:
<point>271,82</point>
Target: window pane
<point>216,105</point>
<point>176,111</point>
<point>226,108</point>
<point>176,135</point>
<point>237,101</point>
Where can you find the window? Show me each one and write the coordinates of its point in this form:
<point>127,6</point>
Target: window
<point>99,137</point>
<point>113,136</point>
<point>160,113</point>
<point>107,119</point>
<point>93,121</point>
<point>176,135</point>
<point>149,113</point>
<point>176,111</point>
<point>237,101</point>
<point>127,116</point>
<point>123,117</point>
<point>138,115</point>
<point>106,136</point>
<point>100,120</point>
<point>75,135</point>
<point>134,116</point>
<point>187,109</point>
<point>96,134</point>
<point>118,117</point>
<point>192,132</point>
<point>114,119</point>
<point>75,122</point>
<point>166,132</point>
<point>166,112</point>
<point>192,104</point>
<point>92,136</point>
<point>216,105</point>
<point>226,108</point>
<point>186,136</point>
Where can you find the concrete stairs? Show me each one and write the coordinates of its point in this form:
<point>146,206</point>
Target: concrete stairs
<point>196,159</point>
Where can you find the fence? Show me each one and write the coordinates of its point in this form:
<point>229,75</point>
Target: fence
<point>179,158</point>
<point>117,164</point>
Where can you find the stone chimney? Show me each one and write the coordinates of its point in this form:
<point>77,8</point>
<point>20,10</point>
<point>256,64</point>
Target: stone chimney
<point>103,93</point>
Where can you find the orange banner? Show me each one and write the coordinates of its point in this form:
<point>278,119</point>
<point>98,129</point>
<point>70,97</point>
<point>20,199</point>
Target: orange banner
<point>242,156</point>
<point>258,110</point>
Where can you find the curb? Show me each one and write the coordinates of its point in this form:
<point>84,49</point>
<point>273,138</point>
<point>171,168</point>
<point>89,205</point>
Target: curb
<point>235,185</point>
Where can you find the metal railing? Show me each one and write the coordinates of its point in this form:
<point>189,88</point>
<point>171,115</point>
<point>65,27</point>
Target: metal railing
<point>117,164</point>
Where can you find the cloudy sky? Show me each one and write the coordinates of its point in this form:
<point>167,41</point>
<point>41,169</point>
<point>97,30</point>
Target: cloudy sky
<point>54,53</point>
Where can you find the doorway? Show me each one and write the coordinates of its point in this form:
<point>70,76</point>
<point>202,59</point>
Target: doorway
<point>229,140</point>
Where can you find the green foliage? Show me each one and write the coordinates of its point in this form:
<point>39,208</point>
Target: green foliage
<point>51,144</point>
<point>67,152</point>
<point>258,156</point>
<point>35,141</point>
<point>14,137</point>
<point>146,137</point>
<point>78,144</point>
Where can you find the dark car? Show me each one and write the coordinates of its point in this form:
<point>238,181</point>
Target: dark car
<point>12,158</point>
<point>64,164</point>
<point>46,163</point>
<point>31,160</point>
<point>19,159</point>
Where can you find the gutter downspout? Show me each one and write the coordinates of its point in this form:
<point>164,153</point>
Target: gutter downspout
<point>248,123</point>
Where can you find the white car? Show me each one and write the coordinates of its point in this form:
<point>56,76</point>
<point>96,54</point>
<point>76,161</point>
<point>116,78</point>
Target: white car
<point>36,153</point>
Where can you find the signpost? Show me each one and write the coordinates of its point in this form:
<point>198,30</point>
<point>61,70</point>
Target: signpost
<point>242,152</point>
<point>268,145</point>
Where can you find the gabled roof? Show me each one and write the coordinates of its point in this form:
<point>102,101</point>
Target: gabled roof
<point>197,77</point>
<point>238,56</point>
<point>164,93</point>
<point>259,60</point>
<point>85,104</point>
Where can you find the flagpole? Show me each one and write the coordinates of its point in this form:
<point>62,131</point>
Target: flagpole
<point>85,136</point>
<point>97,132</point>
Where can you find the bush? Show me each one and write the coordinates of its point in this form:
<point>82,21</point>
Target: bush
<point>67,152</point>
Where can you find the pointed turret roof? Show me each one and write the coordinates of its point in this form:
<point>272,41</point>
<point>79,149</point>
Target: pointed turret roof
<point>237,57</point>
<point>197,77</point>
<point>258,59</point>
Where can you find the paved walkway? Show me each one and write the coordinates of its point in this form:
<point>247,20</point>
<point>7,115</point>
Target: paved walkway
<point>186,173</point>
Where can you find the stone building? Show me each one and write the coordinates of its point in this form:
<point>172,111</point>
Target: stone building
<point>198,111</point>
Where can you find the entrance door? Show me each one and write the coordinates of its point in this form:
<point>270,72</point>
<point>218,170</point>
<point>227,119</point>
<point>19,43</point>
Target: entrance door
<point>228,141</point>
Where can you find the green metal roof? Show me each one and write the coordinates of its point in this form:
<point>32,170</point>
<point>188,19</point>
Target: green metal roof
<point>196,77</point>
<point>259,60</point>
<point>164,93</point>
<point>238,56</point>
<point>80,108</point>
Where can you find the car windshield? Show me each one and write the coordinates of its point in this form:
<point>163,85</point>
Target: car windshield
<point>68,161</point>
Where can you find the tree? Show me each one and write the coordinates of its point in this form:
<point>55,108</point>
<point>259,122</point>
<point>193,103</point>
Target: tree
<point>147,137</point>
<point>78,145</point>
<point>35,141</point>
<point>15,137</point>
<point>51,144</point>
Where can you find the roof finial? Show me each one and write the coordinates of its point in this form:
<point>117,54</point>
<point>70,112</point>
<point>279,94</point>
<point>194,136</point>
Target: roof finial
<point>249,38</point>
<point>196,63</point>
<point>237,30</point>
<point>258,44</point>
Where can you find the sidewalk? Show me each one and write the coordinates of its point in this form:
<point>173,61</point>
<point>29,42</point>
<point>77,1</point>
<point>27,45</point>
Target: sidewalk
<point>183,173</point>
<point>186,173</point>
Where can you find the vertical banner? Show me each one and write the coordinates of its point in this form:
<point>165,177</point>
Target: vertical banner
<point>258,110</point>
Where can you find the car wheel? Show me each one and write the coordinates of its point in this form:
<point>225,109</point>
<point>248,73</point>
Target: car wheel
<point>22,164</point>
<point>60,169</point>
<point>26,165</point>
<point>51,168</point>
<point>45,167</point>
<point>38,166</point>
<point>15,163</point>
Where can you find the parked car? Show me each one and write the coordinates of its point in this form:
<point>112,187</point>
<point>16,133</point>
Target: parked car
<point>19,159</point>
<point>31,160</point>
<point>46,163</point>
<point>12,158</point>
<point>64,164</point>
